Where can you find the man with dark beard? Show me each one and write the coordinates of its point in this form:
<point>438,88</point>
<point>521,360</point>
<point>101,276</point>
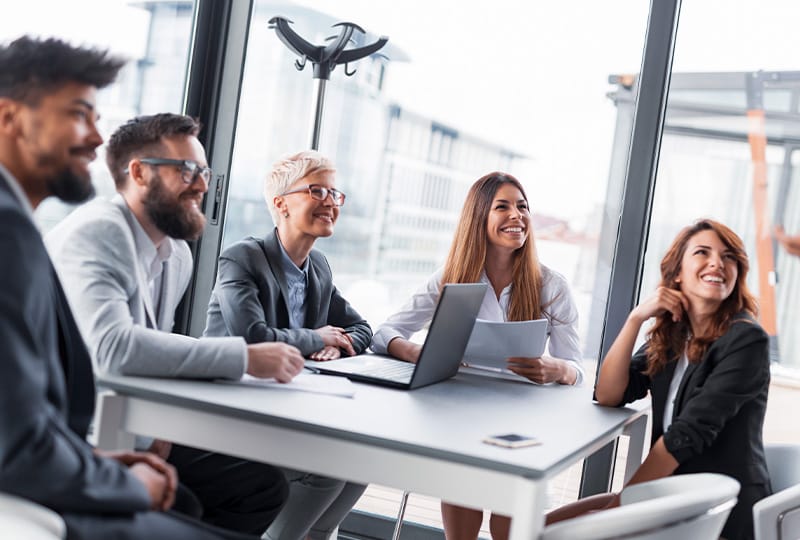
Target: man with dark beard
<point>48,137</point>
<point>125,266</point>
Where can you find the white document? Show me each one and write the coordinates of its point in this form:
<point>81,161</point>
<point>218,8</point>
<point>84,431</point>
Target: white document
<point>491,343</point>
<point>305,382</point>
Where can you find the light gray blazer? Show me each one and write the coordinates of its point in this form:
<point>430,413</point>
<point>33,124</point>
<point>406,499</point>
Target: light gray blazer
<point>94,252</point>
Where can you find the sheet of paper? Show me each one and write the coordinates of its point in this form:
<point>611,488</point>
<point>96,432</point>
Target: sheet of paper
<point>491,343</point>
<point>306,382</point>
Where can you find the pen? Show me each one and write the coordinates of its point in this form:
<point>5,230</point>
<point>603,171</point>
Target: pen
<point>311,369</point>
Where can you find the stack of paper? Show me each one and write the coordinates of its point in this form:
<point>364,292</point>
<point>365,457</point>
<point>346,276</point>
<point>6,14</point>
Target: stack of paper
<point>306,382</point>
<point>491,343</point>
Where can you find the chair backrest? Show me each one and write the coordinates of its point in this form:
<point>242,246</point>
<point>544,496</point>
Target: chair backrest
<point>20,518</point>
<point>685,506</point>
<point>777,517</point>
<point>783,462</point>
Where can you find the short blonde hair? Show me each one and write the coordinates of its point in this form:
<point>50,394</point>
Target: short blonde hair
<point>289,170</point>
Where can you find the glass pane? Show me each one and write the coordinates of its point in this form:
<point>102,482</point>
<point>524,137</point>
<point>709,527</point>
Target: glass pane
<point>461,91</point>
<point>410,135</point>
<point>155,36</point>
<point>729,153</point>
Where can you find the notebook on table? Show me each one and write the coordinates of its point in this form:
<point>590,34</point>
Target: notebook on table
<point>441,353</point>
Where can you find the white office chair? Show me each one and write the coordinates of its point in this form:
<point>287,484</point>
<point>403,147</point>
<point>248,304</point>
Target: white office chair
<point>20,518</point>
<point>684,506</point>
<point>777,517</point>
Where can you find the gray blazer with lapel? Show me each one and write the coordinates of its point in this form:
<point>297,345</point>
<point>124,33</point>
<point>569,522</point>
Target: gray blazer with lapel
<point>95,254</point>
<point>249,299</point>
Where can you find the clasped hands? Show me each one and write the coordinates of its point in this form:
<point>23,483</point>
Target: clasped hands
<point>159,477</point>
<point>336,340</point>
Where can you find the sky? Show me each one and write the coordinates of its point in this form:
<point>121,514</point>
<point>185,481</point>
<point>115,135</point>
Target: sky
<point>529,75</point>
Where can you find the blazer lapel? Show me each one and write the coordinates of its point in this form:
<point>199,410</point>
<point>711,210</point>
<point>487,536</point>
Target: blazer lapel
<point>165,310</point>
<point>313,298</point>
<point>144,287</point>
<point>272,252</point>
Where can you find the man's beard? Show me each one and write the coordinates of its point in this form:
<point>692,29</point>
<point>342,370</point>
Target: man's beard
<point>170,216</point>
<point>70,187</point>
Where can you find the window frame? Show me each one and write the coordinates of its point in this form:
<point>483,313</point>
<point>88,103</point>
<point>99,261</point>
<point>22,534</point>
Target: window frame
<point>213,91</point>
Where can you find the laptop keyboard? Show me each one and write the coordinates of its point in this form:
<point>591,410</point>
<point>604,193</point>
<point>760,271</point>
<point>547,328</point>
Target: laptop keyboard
<point>392,371</point>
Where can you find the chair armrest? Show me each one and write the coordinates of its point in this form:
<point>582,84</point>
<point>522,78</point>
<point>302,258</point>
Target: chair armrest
<point>22,510</point>
<point>778,512</point>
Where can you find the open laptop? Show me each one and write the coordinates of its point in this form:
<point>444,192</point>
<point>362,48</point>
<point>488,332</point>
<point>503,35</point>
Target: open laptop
<point>441,353</point>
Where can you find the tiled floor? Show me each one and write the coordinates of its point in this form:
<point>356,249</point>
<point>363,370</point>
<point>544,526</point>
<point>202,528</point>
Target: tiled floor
<point>780,426</point>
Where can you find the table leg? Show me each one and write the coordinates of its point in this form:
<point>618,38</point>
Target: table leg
<point>110,413</point>
<point>529,502</point>
<point>637,431</point>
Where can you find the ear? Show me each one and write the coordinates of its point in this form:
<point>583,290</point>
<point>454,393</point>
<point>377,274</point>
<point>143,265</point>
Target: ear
<point>136,172</point>
<point>9,116</point>
<point>279,203</point>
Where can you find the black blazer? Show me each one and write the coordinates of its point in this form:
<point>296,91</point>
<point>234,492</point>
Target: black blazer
<point>46,386</point>
<point>249,299</point>
<point>719,408</point>
<point>718,414</point>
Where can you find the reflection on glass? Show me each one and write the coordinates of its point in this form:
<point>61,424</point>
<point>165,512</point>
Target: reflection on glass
<point>729,153</point>
<point>733,162</point>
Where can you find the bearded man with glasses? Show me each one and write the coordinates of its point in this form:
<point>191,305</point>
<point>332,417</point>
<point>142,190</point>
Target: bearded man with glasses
<point>125,266</point>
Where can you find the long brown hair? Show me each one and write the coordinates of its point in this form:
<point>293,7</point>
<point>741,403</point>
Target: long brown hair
<point>468,250</point>
<point>667,337</point>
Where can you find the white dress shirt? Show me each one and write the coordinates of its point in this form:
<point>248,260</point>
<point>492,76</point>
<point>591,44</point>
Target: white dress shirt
<point>559,310</point>
<point>151,260</point>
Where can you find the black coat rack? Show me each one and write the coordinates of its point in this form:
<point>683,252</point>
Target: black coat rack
<point>324,58</point>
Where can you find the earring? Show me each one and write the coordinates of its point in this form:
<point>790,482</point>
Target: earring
<point>286,215</point>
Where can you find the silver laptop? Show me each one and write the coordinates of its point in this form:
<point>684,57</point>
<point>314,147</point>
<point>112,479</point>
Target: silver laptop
<point>441,353</point>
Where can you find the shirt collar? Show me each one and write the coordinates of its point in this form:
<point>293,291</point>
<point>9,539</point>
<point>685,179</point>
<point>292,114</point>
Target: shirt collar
<point>18,192</point>
<point>290,269</point>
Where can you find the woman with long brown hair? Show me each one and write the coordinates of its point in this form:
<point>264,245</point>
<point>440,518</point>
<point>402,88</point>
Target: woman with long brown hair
<point>494,244</point>
<point>706,366</point>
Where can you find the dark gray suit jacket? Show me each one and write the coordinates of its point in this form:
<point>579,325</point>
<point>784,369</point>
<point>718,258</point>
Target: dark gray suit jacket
<point>249,299</point>
<point>46,386</point>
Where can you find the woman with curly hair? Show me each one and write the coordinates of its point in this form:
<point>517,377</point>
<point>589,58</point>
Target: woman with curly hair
<point>706,366</point>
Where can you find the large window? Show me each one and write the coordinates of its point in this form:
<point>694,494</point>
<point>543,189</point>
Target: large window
<point>460,92</point>
<point>154,35</point>
<point>729,152</point>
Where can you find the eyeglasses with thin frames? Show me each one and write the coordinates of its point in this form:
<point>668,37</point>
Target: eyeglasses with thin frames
<point>189,169</point>
<point>319,193</point>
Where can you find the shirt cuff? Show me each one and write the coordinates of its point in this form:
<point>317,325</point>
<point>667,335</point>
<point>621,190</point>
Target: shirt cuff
<point>244,358</point>
<point>579,371</point>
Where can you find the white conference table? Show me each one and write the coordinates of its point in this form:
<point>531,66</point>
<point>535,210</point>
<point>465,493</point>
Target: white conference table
<point>426,441</point>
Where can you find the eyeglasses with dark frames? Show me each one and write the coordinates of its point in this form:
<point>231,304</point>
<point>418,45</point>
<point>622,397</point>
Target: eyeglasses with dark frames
<point>189,169</point>
<point>319,193</point>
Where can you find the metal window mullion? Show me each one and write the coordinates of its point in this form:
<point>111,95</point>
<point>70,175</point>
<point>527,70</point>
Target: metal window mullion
<point>648,121</point>
<point>216,68</point>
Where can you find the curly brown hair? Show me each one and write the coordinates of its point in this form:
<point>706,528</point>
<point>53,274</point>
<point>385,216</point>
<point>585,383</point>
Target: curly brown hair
<point>666,339</point>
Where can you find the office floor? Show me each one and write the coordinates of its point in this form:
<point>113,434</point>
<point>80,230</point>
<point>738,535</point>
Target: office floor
<point>780,427</point>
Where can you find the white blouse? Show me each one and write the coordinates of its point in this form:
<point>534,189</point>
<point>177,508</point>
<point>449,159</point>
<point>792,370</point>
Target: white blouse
<point>677,377</point>
<point>560,312</point>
